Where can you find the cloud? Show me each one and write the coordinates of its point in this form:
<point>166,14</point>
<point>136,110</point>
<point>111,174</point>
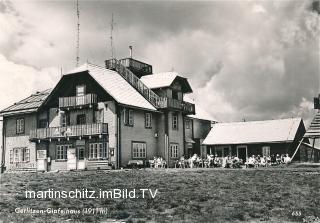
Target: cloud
<point>20,81</point>
<point>244,59</point>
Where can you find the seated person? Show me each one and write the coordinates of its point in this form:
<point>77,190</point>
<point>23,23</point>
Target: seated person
<point>287,159</point>
<point>258,159</point>
<point>251,162</point>
<point>263,161</point>
<point>228,162</point>
<point>268,159</point>
<point>236,162</point>
<point>216,161</point>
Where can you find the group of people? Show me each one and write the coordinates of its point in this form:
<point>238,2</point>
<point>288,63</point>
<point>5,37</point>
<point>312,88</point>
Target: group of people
<point>232,161</point>
<point>273,160</point>
<point>157,162</point>
<point>225,162</point>
<point>209,161</point>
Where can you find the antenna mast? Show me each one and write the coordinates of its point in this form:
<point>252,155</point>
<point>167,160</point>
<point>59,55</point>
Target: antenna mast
<point>111,37</point>
<point>78,34</point>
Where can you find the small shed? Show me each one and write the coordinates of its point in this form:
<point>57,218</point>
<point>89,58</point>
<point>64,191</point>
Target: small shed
<point>244,139</point>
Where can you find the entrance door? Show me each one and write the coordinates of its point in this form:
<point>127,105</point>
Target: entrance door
<point>81,165</point>
<point>242,153</point>
<point>72,159</point>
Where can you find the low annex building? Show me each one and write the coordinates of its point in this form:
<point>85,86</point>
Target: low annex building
<point>244,139</point>
<point>97,117</point>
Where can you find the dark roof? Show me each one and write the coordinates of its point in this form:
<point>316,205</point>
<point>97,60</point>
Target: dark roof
<point>27,105</point>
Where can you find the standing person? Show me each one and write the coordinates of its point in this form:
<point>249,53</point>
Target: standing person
<point>278,159</point>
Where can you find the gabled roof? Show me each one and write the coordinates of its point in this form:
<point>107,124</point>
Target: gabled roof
<point>314,128</point>
<point>115,85</point>
<point>27,105</point>
<point>160,80</point>
<point>282,130</point>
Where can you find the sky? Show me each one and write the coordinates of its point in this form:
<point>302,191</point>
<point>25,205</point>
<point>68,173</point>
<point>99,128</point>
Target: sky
<point>245,60</point>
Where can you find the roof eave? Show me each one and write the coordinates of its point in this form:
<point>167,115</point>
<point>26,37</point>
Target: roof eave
<point>248,143</point>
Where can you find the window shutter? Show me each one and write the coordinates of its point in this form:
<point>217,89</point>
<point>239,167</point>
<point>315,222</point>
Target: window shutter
<point>11,155</point>
<point>131,119</point>
<point>125,121</point>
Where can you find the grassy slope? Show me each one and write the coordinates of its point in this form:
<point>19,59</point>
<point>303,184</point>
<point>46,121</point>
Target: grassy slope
<point>202,195</point>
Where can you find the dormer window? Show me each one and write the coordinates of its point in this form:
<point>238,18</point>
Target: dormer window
<point>81,90</point>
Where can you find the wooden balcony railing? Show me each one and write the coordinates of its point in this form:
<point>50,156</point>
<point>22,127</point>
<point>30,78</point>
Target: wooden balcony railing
<point>69,131</point>
<point>153,98</point>
<point>75,101</point>
<point>184,106</point>
<point>136,65</point>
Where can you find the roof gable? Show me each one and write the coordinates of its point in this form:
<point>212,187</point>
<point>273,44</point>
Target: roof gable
<point>27,105</point>
<point>166,79</point>
<point>115,85</point>
<point>282,130</point>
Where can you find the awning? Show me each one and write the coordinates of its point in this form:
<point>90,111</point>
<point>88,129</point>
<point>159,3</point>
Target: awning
<point>188,140</point>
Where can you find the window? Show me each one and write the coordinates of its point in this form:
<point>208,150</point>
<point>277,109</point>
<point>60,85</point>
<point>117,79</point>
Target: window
<point>139,150</point>
<point>128,118</point>
<point>65,119</point>
<point>188,123</point>
<point>81,152</point>
<point>81,90</point>
<point>266,151</point>
<point>99,116</point>
<point>19,155</point>
<point>62,152</point>
<point>174,150</point>
<point>175,95</point>
<point>81,119</point>
<point>42,123</point>
<point>98,150</point>
<point>20,126</point>
<point>174,122</point>
<point>148,120</point>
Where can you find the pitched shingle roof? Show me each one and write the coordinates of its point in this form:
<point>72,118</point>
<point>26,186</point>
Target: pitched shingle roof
<point>282,130</point>
<point>115,85</point>
<point>165,79</point>
<point>29,104</point>
<point>159,80</point>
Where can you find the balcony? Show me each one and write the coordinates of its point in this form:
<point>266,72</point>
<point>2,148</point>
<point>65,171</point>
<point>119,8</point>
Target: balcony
<point>69,131</point>
<point>183,106</point>
<point>77,101</point>
<point>137,67</point>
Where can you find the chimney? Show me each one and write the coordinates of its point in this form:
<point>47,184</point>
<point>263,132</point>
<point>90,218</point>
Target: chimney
<point>130,49</point>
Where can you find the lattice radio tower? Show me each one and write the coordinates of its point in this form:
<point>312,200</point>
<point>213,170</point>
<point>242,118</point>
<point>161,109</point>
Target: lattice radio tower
<point>78,35</point>
<point>111,37</point>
